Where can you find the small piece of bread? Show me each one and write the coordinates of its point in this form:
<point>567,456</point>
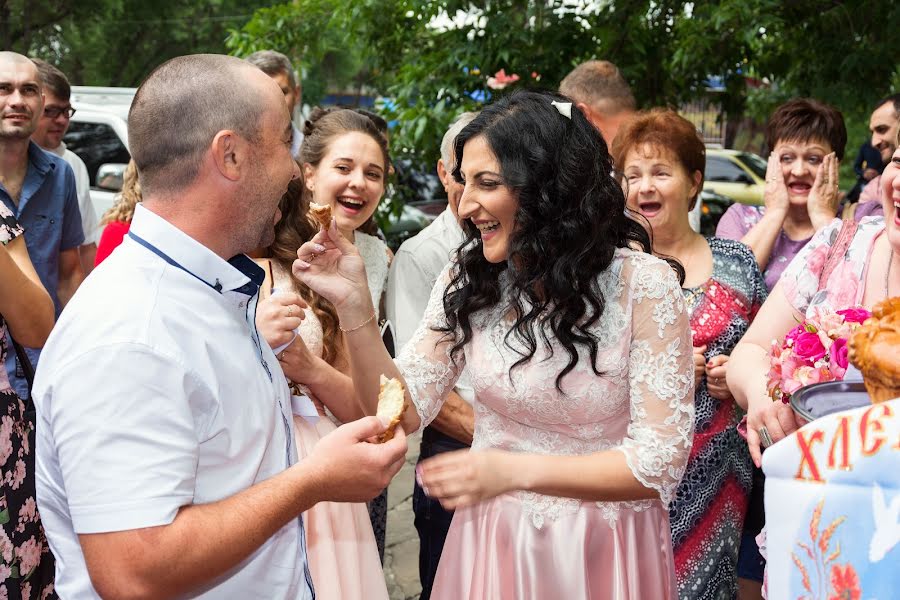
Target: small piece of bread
<point>321,214</point>
<point>391,405</point>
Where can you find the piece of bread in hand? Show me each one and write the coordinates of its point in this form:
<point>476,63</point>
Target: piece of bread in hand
<point>321,214</point>
<point>391,405</point>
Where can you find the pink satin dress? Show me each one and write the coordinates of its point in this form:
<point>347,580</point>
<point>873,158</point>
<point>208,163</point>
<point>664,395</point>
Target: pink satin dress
<point>525,545</point>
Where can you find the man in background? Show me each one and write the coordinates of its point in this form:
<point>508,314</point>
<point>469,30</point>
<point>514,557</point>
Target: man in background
<point>51,128</point>
<point>277,66</point>
<point>39,188</point>
<point>884,124</point>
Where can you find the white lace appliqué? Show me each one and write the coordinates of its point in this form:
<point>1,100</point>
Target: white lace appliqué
<point>641,404</point>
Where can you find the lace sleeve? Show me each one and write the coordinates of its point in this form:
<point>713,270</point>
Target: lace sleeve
<point>425,361</point>
<point>661,382</point>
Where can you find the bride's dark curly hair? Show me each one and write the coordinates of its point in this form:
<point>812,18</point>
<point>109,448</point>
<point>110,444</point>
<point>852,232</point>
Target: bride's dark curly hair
<point>570,220</point>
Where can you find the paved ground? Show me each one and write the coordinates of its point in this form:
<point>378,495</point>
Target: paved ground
<point>401,554</point>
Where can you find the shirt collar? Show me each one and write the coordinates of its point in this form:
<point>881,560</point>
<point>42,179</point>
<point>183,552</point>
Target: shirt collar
<point>452,224</point>
<point>38,158</point>
<point>240,274</point>
<point>60,150</point>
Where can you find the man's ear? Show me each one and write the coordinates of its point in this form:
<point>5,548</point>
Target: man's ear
<point>442,171</point>
<point>229,154</point>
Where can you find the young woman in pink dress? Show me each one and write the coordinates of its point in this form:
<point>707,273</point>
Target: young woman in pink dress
<point>579,349</point>
<point>343,554</point>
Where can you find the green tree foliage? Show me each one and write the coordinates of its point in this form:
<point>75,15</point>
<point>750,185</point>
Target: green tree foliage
<point>118,42</point>
<point>431,58</point>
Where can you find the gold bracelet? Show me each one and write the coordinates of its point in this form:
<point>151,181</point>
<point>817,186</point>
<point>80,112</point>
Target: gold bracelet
<point>363,324</point>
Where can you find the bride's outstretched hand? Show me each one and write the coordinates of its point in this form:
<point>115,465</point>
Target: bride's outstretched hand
<point>332,267</point>
<point>466,477</point>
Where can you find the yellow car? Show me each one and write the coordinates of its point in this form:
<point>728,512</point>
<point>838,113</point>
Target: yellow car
<point>740,176</point>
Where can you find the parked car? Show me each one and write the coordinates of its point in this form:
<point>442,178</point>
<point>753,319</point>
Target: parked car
<point>711,210</point>
<point>738,175</point>
<point>98,134</point>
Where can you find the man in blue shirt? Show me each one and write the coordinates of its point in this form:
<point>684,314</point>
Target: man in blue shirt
<point>39,188</point>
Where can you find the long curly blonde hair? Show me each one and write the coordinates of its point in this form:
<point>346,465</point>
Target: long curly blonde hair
<point>123,208</point>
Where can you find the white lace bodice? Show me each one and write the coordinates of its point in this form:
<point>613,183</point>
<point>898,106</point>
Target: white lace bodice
<point>376,257</point>
<point>642,404</point>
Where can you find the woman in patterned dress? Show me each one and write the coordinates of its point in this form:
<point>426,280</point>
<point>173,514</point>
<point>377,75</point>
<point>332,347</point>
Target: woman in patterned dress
<point>26,311</point>
<point>578,346</point>
<point>662,160</point>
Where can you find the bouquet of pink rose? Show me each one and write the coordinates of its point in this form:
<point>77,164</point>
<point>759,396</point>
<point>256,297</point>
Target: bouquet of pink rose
<point>812,352</point>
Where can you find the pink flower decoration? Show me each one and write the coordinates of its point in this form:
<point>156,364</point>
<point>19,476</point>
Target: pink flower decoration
<point>809,347</point>
<point>500,80</point>
<point>854,315</point>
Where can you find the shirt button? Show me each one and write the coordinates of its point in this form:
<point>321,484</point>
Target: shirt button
<point>241,304</point>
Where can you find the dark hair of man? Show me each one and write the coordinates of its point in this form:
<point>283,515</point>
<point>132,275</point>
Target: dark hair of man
<point>806,120</point>
<point>893,99</point>
<point>274,63</point>
<point>598,82</point>
<point>53,79</point>
<point>665,132</point>
<point>180,108</point>
<point>293,230</point>
<point>570,219</point>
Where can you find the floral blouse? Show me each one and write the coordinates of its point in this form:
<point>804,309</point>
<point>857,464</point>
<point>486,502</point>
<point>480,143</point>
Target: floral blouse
<point>846,284</point>
<point>642,404</point>
<point>26,565</point>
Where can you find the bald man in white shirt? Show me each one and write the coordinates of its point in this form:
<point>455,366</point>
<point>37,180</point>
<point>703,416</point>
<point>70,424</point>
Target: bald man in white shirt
<point>166,464</point>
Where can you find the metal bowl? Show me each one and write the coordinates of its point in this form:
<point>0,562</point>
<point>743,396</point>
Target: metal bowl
<point>821,399</point>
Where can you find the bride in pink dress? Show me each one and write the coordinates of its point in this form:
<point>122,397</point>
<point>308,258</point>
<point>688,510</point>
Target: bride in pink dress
<point>579,349</point>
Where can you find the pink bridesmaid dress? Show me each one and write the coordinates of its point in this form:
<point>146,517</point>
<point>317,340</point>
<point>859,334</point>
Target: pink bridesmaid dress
<point>343,556</point>
<point>524,545</point>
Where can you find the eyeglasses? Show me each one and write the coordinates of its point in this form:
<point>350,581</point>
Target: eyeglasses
<point>52,112</point>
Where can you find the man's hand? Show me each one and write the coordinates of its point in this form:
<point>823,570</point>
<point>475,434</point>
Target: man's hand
<point>456,419</point>
<point>869,174</point>
<point>355,470</point>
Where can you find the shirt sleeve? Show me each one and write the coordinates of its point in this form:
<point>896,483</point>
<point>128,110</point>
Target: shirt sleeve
<point>89,221</point>
<point>733,224</point>
<point>426,362</point>
<point>127,445</point>
<point>661,382</point>
<point>407,296</point>
<point>800,280</point>
<point>72,228</point>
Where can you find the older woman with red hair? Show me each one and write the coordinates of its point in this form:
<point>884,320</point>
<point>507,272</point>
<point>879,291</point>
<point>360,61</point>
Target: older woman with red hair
<point>661,161</point>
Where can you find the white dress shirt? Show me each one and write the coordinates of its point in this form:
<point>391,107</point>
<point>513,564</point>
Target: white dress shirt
<point>416,267</point>
<point>89,220</point>
<point>153,393</point>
